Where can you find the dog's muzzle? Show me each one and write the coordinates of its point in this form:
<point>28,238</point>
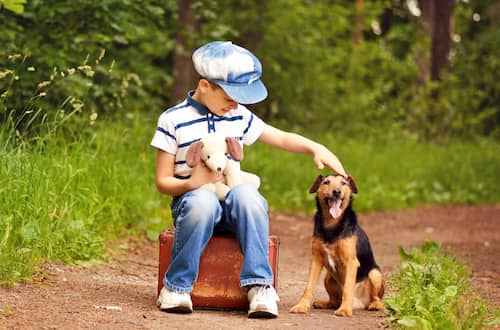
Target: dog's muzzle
<point>335,203</point>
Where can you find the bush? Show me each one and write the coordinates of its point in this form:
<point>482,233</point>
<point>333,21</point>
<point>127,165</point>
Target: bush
<point>112,42</point>
<point>434,292</point>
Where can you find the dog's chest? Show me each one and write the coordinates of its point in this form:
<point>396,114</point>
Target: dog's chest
<point>329,257</point>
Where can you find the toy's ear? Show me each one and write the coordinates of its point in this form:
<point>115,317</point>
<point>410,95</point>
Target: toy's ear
<point>234,148</point>
<point>352,184</point>
<point>193,154</point>
<point>316,184</point>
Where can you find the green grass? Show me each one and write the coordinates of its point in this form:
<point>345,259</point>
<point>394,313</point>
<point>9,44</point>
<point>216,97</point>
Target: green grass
<point>65,194</point>
<point>433,292</point>
<point>390,173</point>
<point>64,201</point>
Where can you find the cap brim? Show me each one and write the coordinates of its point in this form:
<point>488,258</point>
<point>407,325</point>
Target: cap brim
<point>245,93</point>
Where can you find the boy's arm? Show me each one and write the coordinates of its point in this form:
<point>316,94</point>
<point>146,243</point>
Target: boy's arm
<point>170,185</point>
<point>296,143</point>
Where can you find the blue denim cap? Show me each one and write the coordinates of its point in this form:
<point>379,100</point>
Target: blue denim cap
<point>235,69</point>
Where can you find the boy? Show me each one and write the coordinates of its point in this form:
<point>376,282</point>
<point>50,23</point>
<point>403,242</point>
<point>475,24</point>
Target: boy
<point>230,76</point>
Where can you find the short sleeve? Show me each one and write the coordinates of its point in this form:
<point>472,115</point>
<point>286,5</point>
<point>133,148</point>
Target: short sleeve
<point>254,127</point>
<point>164,137</point>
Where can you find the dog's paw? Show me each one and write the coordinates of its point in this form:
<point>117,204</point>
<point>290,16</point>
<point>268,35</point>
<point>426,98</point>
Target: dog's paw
<point>376,306</point>
<point>342,311</point>
<point>323,304</point>
<point>300,308</point>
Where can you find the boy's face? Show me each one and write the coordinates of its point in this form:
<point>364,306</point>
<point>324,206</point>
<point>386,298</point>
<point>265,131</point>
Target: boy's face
<point>215,99</point>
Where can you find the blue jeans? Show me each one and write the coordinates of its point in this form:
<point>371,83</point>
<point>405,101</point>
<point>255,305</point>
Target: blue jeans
<point>198,213</point>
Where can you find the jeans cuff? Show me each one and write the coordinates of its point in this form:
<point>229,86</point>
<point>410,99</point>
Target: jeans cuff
<point>256,281</point>
<point>175,288</point>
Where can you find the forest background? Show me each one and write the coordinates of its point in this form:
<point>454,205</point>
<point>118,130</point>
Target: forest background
<point>406,93</point>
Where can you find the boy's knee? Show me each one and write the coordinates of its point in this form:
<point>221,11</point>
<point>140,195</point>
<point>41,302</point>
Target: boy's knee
<point>247,196</point>
<point>201,205</point>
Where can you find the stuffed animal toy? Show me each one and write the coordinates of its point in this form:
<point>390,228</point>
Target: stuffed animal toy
<point>221,154</point>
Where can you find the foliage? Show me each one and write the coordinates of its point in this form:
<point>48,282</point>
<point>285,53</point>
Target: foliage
<point>110,40</point>
<point>315,74</point>
<point>433,292</point>
<point>319,78</point>
<point>17,6</point>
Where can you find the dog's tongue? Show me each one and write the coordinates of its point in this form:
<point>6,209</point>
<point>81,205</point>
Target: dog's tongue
<point>335,208</point>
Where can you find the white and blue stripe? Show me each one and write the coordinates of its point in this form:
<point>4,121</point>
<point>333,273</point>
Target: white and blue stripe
<point>187,122</point>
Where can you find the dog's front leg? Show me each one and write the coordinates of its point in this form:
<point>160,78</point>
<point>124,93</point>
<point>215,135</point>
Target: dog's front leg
<point>315,268</point>
<point>351,265</point>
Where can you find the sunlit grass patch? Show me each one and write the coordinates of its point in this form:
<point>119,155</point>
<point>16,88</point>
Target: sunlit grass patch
<point>433,291</point>
<point>64,202</point>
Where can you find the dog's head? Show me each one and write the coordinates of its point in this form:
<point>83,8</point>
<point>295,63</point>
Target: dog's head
<point>213,150</point>
<point>334,193</point>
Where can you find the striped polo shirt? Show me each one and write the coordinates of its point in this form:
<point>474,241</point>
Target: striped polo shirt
<point>190,120</point>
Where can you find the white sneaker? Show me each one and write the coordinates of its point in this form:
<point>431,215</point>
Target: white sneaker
<point>263,302</point>
<point>174,302</point>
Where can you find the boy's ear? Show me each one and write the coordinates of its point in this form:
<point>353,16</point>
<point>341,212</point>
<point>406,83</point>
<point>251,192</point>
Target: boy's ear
<point>234,149</point>
<point>203,84</point>
<point>193,154</point>
<point>316,184</point>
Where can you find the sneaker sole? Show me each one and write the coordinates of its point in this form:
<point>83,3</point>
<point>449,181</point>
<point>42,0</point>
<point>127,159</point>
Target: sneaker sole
<point>262,314</point>
<point>182,309</point>
<point>178,310</point>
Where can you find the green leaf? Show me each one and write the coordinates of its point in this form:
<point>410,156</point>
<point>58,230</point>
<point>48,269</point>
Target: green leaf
<point>451,291</point>
<point>404,255</point>
<point>17,6</point>
<point>152,235</point>
<point>407,322</point>
<point>430,247</point>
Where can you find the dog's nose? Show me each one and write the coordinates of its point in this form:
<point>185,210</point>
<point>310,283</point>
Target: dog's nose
<point>336,193</point>
<point>219,169</point>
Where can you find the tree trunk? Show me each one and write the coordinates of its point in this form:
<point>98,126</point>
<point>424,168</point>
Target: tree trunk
<point>183,75</point>
<point>441,37</point>
<point>386,21</point>
<point>428,14</point>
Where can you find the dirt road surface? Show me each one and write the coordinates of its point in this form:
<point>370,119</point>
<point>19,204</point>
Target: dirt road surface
<point>121,293</point>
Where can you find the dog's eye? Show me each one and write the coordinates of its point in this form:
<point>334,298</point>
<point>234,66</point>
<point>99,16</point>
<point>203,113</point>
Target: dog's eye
<point>343,183</point>
<point>326,182</point>
<point>208,157</point>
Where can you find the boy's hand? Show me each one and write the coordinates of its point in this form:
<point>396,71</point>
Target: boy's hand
<point>323,156</point>
<point>202,175</point>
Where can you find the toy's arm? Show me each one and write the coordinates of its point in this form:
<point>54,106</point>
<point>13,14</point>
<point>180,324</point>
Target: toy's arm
<point>233,173</point>
<point>235,176</point>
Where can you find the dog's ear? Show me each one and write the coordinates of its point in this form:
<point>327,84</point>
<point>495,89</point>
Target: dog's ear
<point>193,154</point>
<point>352,184</point>
<point>234,148</point>
<point>316,184</point>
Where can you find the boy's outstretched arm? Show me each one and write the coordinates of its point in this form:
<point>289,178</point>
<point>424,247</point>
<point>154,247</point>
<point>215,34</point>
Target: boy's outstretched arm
<point>296,143</point>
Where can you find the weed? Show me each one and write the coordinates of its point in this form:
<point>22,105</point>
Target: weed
<point>434,292</point>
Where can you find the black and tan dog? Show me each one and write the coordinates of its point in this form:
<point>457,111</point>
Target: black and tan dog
<point>353,279</point>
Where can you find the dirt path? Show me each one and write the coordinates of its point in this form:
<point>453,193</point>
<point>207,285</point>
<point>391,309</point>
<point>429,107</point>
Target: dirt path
<point>121,293</point>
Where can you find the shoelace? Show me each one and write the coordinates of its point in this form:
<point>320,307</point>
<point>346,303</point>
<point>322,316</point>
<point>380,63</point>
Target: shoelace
<point>267,292</point>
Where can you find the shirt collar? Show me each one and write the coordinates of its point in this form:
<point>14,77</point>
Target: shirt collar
<point>203,110</point>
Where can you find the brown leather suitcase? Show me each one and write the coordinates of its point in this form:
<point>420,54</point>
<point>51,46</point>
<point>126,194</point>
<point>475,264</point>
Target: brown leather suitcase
<point>218,283</point>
